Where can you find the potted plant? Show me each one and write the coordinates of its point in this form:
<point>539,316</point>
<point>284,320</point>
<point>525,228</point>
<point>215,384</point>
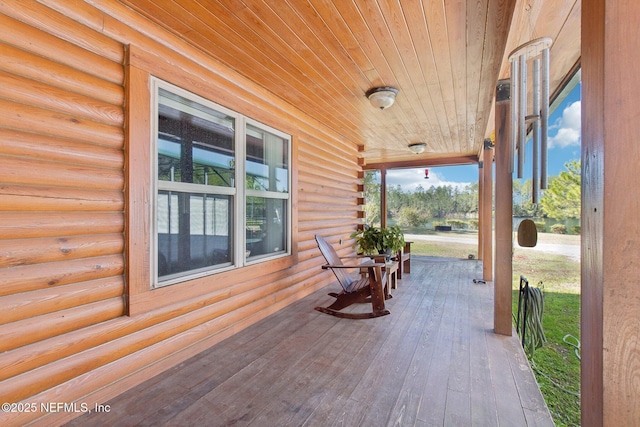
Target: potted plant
<point>393,239</point>
<point>373,240</point>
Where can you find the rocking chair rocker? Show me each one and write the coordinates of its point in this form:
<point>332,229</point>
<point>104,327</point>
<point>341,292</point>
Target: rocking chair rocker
<point>371,288</point>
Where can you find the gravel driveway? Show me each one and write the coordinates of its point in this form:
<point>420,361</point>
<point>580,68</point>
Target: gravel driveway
<point>569,250</point>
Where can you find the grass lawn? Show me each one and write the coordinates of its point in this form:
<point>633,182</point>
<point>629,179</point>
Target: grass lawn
<point>443,249</point>
<point>556,365</point>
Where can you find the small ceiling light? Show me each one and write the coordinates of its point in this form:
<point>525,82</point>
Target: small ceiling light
<point>417,147</point>
<point>382,97</point>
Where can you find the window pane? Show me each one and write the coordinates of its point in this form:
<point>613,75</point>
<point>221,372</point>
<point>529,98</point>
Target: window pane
<point>267,166</point>
<point>193,232</point>
<point>266,226</point>
<point>195,143</point>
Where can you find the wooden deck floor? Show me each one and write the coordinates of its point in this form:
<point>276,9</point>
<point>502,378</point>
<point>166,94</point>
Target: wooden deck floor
<point>434,361</point>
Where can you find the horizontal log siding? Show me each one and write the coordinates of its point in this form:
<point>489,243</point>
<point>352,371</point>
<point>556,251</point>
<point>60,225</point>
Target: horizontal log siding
<point>63,208</point>
<point>61,191</point>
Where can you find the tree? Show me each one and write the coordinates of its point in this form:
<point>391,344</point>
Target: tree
<point>522,201</point>
<point>372,197</point>
<point>414,208</point>
<point>562,199</point>
<point>442,203</point>
<point>409,216</point>
<point>467,199</point>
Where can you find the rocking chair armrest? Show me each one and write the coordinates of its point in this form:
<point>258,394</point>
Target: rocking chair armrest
<point>372,264</point>
<point>364,265</point>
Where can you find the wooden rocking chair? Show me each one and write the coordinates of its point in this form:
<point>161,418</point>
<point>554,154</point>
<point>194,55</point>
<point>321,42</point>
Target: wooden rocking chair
<point>371,288</point>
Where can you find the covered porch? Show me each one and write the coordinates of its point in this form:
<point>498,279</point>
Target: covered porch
<point>434,361</point>
<point>84,318</point>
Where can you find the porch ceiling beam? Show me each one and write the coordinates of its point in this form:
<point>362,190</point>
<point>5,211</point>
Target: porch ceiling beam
<point>419,163</point>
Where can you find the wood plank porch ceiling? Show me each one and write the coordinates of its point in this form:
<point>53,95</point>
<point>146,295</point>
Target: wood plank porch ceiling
<point>321,56</point>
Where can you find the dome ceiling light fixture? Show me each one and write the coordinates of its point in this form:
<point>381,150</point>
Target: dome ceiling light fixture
<point>382,97</point>
<point>417,147</point>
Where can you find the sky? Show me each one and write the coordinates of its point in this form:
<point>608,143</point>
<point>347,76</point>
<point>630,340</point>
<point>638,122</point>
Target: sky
<point>563,143</point>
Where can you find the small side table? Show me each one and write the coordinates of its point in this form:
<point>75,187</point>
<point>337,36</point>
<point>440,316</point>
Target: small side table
<point>404,257</point>
<point>391,268</point>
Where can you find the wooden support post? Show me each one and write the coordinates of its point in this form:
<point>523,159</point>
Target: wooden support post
<point>480,206</point>
<point>487,211</point>
<point>610,294</point>
<point>504,213</point>
<point>383,197</point>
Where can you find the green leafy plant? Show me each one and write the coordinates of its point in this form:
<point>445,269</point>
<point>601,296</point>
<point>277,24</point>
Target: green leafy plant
<point>411,216</point>
<point>562,199</point>
<point>374,240</point>
<point>393,238</point>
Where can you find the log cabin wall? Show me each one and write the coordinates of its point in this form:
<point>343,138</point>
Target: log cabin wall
<point>79,321</point>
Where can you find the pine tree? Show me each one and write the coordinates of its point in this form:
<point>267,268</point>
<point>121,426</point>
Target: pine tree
<point>562,199</point>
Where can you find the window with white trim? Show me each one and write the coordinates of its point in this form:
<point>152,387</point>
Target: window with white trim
<point>267,192</point>
<point>212,212</point>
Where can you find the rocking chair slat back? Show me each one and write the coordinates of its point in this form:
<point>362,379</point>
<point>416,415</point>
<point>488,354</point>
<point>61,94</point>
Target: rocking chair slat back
<point>333,258</point>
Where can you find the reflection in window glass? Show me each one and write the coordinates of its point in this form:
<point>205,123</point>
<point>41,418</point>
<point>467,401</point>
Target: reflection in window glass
<point>266,226</point>
<point>267,161</point>
<point>195,143</point>
<point>197,199</point>
<point>196,237</point>
<point>195,148</point>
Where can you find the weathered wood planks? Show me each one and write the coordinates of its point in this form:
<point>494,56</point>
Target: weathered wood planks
<point>434,361</point>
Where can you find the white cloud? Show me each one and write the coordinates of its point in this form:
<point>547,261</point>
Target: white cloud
<point>410,179</point>
<point>568,126</point>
